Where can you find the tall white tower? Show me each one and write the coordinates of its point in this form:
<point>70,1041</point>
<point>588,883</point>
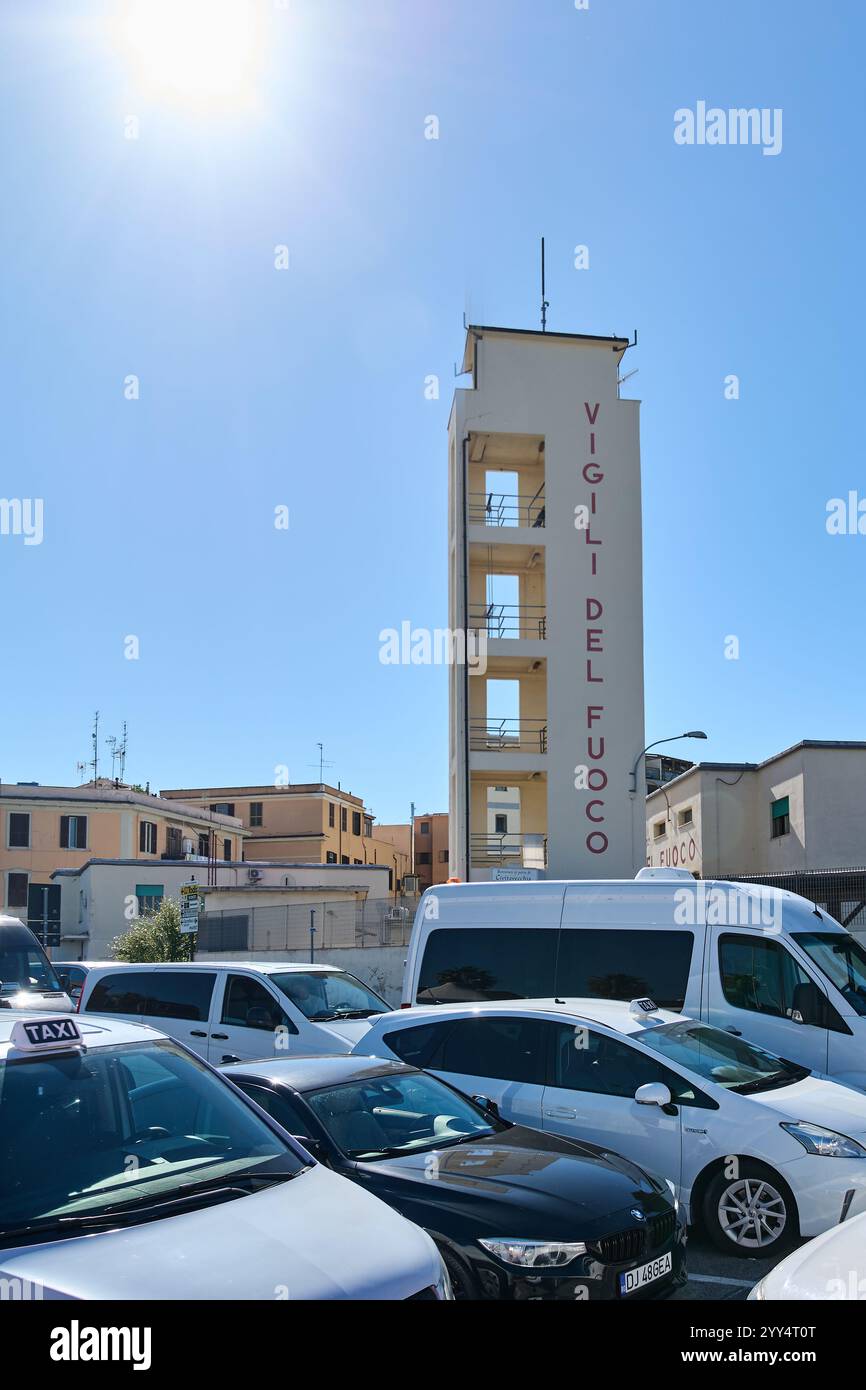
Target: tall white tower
<point>545,569</point>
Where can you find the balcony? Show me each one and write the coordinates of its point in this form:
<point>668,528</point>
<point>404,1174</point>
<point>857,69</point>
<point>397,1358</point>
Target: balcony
<point>507,509</point>
<point>508,736</point>
<point>508,850</point>
<point>510,620</point>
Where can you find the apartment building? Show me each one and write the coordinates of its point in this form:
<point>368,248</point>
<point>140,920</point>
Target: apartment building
<point>430,842</point>
<point>801,810</point>
<point>303,822</point>
<point>47,828</point>
<point>545,572</point>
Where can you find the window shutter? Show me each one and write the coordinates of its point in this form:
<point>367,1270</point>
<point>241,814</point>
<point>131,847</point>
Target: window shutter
<point>781,808</point>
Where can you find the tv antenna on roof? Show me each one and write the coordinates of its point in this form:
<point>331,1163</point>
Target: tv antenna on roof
<point>323,762</point>
<point>544,302</point>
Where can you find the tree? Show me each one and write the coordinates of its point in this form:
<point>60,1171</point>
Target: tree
<point>154,936</point>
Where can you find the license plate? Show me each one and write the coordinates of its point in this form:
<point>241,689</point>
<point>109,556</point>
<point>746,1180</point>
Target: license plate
<point>634,1279</point>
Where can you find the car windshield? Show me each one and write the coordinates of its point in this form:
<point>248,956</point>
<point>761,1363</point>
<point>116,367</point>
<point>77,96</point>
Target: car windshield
<point>842,960</point>
<point>328,994</point>
<point>397,1114</point>
<point>25,967</point>
<point>84,1136</point>
<point>720,1057</point>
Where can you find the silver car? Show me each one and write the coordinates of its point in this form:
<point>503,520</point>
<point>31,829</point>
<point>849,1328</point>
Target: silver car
<point>183,1187</point>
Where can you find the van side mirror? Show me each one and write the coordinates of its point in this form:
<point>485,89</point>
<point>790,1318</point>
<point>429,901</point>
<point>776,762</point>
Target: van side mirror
<point>809,1005</point>
<point>653,1093</point>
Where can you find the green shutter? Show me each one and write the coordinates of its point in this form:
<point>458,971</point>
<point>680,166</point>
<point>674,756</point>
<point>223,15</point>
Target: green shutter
<point>780,808</point>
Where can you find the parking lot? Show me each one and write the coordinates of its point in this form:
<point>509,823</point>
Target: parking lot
<point>713,1275</point>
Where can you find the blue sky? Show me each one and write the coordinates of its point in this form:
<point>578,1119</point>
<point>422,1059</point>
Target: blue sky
<point>306,388</point>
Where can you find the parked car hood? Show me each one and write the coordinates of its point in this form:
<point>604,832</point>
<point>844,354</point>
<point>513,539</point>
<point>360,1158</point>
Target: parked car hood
<point>346,1032</point>
<point>316,1236</point>
<point>543,1174</point>
<point>832,1266</point>
<point>821,1102</point>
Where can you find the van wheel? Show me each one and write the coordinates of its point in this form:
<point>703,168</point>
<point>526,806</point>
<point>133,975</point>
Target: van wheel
<point>463,1283</point>
<point>753,1214</point>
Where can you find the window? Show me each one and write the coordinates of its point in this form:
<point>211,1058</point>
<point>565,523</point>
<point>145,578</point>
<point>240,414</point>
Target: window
<point>330,857</point>
<point>223,808</point>
<point>227,851</point>
<point>584,1060</point>
<point>19,830</point>
<point>424,857</point>
<point>424,828</point>
<point>780,812</point>
<point>760,975</point>
<point>596,963</point>
<point>204,846</point>
<point>356,822</point>
<point>146,837</point>
<point>16,889</point>
<point>73,832</point>
<point>443,856</point>
<point>501,825</point>
<point>173,842</point>
<point>283,1107</point>
<point>357,861</point>
<point>368,825</point>
<point>149,895</point>
<point>840,959</point>
<point>719,1057</point>
<point>257,809</point>
<point>249,1004</point>
<point>330,813</point>
<point>414,1045</point>
<point>395,1114</point>
<point>684,818</point>
<point>328,994</point>
<point>184,994</point>
<point>344,858</point>
<point>658,829</point>
<point>344,818</point>
<point>508,1048</point>
<point>487,963</point>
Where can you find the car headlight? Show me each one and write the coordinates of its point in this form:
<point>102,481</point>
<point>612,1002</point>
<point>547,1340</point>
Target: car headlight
<point>674,1198</point>
<point>534,1254</point>
<point>757,1294</point>
<point>825,1142</point>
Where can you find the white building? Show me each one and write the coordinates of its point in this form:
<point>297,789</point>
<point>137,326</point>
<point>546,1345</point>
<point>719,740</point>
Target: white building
<point>268,901</point>
<point>802,810</point>
<point>545,563</point>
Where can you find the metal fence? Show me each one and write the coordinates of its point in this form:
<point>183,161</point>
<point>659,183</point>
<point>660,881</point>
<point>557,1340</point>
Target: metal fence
<point>288,927</point>
<point>840,892</point>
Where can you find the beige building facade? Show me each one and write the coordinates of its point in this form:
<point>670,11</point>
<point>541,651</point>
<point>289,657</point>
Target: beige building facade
<point>43,829</point>
<point>431,849</point>
<point>803,809</point>
<point>303,822</point>
<point>545,570</point>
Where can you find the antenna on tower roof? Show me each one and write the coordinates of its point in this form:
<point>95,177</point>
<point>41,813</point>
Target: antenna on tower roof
<point>544,303</point>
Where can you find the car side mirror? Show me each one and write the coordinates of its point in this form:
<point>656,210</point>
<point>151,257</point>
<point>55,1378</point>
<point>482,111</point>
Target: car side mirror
<point>809,1005</point>
<point>312,1146</point>
<point>653,1093</point>
<point>485,1103</point>
<point>63,977</point>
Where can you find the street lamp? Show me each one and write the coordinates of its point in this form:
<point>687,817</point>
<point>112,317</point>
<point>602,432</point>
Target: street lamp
<point>693,733</point>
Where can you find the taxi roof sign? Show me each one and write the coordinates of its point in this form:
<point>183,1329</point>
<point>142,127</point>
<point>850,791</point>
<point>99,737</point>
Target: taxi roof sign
<point>35,1035</point>
<point>639,1008</point>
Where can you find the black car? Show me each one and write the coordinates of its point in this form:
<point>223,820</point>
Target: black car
<point>516,1213</point>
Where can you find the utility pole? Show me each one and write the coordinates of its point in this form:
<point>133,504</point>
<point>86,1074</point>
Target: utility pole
<point>412,836</point>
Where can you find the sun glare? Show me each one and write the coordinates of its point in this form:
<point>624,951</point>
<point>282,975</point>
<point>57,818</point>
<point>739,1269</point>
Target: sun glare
<point>202,50</point>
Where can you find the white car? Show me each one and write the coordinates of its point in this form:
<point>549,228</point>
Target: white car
<point>133,1170</point>
<point>830,1267</point>
<point>231,1011</point>
<point>759,1150</point>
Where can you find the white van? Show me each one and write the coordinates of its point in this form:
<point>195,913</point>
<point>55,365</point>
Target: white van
<point>235,1011</point>
<point>761,962</point>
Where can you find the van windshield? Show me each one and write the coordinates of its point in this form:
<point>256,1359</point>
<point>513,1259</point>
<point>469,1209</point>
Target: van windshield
<point>842,960</point>
<point>720,1057</point>
<point>24,965</point>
